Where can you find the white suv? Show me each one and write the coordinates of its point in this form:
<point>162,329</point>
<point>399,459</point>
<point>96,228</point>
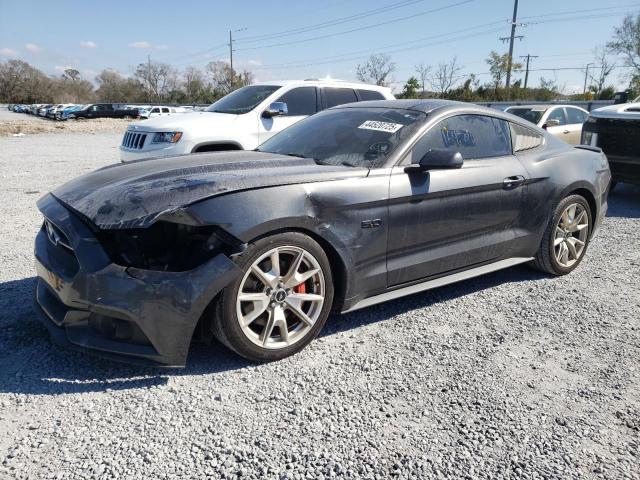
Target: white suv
<point>243,119</point>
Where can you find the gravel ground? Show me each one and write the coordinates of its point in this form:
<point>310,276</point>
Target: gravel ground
<point>12,124</point>
<point>512,375</point>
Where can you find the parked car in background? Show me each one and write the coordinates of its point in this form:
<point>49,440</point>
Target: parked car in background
<point>561,121</point>
<point>616,130</point>
<point>243,119</point>
<point>159,111</point>
<point>52,111</point>
<point>42,110</point>
<point>103,110</point>
<point>65,112</point>
<point>354,206</point>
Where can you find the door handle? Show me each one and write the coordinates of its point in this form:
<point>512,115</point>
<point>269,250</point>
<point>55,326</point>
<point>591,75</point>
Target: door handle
<point>513,182</point>
<point>566,132</point>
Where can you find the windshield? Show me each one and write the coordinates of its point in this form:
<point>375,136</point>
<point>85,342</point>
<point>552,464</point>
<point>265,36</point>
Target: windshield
<point>243,100</point>
<point>355,137</point>
<point>529,114</point>
<point>637,100</point>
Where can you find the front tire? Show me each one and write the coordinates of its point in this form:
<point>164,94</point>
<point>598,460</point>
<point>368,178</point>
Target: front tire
<point>280,302</point>
<point>566,238</point>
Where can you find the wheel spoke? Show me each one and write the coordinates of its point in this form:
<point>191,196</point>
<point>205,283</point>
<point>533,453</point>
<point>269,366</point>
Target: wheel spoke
<point>260,303</point>
<point>299,278</point>
<point>268,329</point>
<point>275,262</point>
<point>305,297</point>
<point>267,278</point>
<point>572,250</point>
<point>296,309</point>
<point>293,269</point>
<point>559,237</point>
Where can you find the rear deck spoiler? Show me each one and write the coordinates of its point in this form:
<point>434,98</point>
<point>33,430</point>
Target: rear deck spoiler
<point>588,147</point>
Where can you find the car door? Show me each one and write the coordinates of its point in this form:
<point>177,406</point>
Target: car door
<point>575,119</point>
<point>441,221</point>
<point>560,131</point>
<point>301,102</point>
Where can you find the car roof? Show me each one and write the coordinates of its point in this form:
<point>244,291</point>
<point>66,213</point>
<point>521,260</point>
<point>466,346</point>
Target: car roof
<point>319,82</point>
<point>544,106</point>
<point>425,106</point>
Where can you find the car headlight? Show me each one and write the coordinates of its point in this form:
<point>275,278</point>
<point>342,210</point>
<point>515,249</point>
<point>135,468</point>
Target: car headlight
<point>166,137</point>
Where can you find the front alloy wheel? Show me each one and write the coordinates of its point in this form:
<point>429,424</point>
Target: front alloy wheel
<point>280,297</point>
<point>280,302</point>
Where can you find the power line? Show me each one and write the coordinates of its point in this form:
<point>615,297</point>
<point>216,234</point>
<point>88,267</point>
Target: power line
<point>329,23</point>
<point>366,27</point>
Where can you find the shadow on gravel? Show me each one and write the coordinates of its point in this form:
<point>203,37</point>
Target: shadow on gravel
<point>31,364</point>
<point>624,201</point>
<point>384,311</point>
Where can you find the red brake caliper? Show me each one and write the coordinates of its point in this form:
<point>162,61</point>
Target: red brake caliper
<point>300,288</point>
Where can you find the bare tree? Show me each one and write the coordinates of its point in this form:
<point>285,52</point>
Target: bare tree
<point>446,75</point>
<point>225,80</point>
<point>604,67</point>
<point>423,72</point>
<point>194,83</point>
<point>626,42</point>
<point>71,74</point>
<point>377,69</point>
<point>222,77</point>
<point>154,76</point>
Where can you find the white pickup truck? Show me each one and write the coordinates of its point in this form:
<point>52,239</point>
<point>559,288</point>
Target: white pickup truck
<point>243,119</point>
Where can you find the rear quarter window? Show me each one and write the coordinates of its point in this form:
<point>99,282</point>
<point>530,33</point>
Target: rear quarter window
<point>365,95</point>
<point>339,96</point>
<point>524,138</point>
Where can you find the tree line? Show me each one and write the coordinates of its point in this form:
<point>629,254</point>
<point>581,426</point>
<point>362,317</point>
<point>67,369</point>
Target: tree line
<point>156,82</point>
<point>152,82</point>
<point>446,79</point>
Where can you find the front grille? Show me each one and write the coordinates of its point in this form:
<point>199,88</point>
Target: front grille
<point>133,140</point>
<point>619,137</point>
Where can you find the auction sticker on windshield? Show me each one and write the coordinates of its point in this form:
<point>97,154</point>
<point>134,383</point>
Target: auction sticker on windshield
<point>381,126</point>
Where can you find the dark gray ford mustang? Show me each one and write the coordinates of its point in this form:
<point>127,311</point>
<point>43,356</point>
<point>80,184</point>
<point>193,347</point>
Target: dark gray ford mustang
<point>353,206</point>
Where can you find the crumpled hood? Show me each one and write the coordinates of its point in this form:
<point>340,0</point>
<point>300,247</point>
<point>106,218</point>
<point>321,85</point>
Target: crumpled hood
<point>135,194</point>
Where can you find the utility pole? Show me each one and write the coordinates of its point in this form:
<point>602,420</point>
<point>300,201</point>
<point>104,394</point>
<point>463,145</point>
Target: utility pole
<point>231,49</point>
<point>513,36</point>
<point>586,75</point>
<point>526,75</point>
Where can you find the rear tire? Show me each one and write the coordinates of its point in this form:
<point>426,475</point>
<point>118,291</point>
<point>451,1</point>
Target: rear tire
<point>565,241</point>
<point>269,313</point>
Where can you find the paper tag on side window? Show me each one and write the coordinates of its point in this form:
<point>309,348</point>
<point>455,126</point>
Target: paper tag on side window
<point>381,126</point>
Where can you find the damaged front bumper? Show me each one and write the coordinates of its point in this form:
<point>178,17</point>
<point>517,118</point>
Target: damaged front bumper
<point>124,313</point>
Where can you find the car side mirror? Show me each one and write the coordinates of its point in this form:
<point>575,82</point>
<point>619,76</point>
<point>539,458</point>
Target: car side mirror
<point>276,109</point>
<point>437,159</point>
<point>552,122</point>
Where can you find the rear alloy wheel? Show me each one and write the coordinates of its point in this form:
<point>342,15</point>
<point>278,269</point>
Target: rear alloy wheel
<point>566,239</point>
<point>281,301</point>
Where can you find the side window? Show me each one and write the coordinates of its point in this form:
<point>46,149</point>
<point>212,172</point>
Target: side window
<point>339,96</point>
<point>474,136</point>
<point>165,110</point>
<point>155,110</point>
<point>300,101</point>
<point>557,114</point>
<point>575,116</point>
<point>369,95</point>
